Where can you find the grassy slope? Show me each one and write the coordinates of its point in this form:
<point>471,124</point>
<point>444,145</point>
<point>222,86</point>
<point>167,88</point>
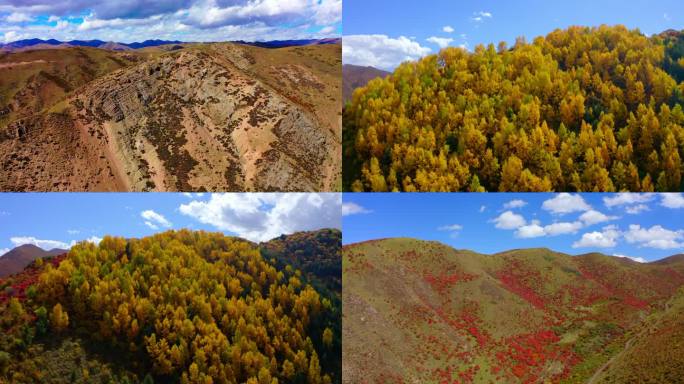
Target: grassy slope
<point>422,311</point>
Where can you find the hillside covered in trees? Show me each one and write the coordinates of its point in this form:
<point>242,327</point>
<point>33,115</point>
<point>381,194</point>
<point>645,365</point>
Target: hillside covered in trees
<point>423,312</point>
<point>582,109</point>
<point>179,306</point>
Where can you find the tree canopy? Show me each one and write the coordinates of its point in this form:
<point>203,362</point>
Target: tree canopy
<point>582,109</point>
<point>189,307</point>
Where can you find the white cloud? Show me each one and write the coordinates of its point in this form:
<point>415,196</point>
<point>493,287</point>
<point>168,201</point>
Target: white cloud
<point>483,208</point>
<point>94,239</point>
<point>188,20</point>
<point>11,36</point>
<point>481,16</point>
<point>442,42</point>
<point>448,29</point>
<point>535,229</point>
<point>627,198</point>
<point>604,239</point>
<point>509,220</point>
<point>530,231</point>
<point>263,216</point>
<point>654,237</point>
<point>155,220</point>
<point>672,200</point>
<point>453,227</point>
<point>3,251</point>
<point>565,203</point>
<point>212,13</point>
<point>517,203</point>
<point>636,209</point>
<point>637,259</point>
<point>350,208</point>
<point>594,217</point>
<point>380,51</point>
<point>73,231</point>
<point>564,228</point>
<point>18,17</point>
<point>666,17</point>
<point>45,244</point>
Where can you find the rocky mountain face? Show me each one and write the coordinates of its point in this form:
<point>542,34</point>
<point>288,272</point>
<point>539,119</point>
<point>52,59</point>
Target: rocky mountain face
<point>417,311</point>
<point>219,117</point>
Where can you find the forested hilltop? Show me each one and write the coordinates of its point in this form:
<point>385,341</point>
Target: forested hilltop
<point>179,306</point>
<point>582,109</point>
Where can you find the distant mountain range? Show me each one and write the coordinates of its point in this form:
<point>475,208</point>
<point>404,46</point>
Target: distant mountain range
<point>290,43</point>
<point>354,76</point>
<point>115,46</point>
<point>20,257</point>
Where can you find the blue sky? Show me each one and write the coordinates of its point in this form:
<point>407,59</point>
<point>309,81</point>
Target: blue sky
<point>375,27</point>
<point>129,21</point>
<point>52,220</point>
<point>645,227</point>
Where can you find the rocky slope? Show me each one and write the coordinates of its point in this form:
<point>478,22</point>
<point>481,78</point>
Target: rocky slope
<point>417,311</point>
<point>218,117</point>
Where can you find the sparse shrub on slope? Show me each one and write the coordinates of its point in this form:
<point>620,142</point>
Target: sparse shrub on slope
<point>585,109</point>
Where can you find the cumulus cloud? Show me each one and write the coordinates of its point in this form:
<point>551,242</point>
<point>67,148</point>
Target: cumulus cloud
<point>350,208</point>
<point>530,231</point>
<point>654,237</point>
<point>448,29</point>
<point>481,16</point>
<point>637,259</point>
<point>155,220</point>
<point>263,216</point>
<point>672,200</point>
<point>535,229</point>
<point>442,42</point>
<point>607,238</point>
<point>509,220</point>
<point>94,239</point>
<point>18,17</point>
<point>636,209</point>
<point>380,51</point>
<point>565,203</point>
<point>210,13</point>
<point>627,198</point>
<point>563,228</point>
<point>11,36</point>
<point>45,244</point>
<point>517,203</point>
<point>187,20</point>
<point>595,217</point>
<point>452,227</point>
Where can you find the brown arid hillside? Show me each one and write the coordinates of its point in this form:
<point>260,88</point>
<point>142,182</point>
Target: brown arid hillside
<point>355,76</point>
<point>422,312</point>
<point>192,117</point>
<point>20,257</point>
